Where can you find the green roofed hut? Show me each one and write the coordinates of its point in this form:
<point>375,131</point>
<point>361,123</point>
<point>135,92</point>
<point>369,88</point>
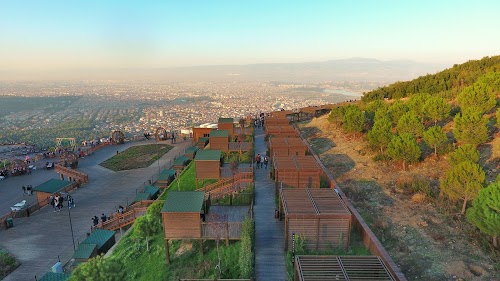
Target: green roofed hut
<point>180,163</point>
<point>219,139</point>
<point>181,216</point>
<point>104,239</point>
<point>165,178</point>
<point>48,188</point>
<point>191,152</point>
<point>226,124</point>
<point>149,193</point>
<point>84,252</point>
<point>207,164</point>
<point>142,196</point>
<point>202,142</point>
<point>52,276</point>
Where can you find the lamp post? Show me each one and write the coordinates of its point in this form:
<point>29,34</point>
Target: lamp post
<point>71,227</point>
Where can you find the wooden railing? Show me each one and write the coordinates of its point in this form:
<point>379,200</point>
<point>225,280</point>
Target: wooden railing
<point>79,176</point>
<point>221,230</point>
<point>132,212</point>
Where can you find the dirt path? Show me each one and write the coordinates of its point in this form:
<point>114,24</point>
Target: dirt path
<point>426,243</point>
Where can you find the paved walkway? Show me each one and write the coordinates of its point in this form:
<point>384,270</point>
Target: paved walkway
<point>269,232</point>
<point>38,240</point>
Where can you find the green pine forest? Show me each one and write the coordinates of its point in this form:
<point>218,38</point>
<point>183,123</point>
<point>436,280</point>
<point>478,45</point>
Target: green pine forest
<point>449,115</point>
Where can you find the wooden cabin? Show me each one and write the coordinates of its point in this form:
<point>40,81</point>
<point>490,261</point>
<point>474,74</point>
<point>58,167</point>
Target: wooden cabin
<point>281,131</point>
<point>201,132</point>
<point>202,142</point>
<point>318,216</point>
<point>207,164</point>
<point>84,252</point>
<point>181,216</point>
<point>148,193</point>
<point>287,147</point>
<point>48,188</point>
<point>165,177</point>
<point>190,152</point>
<point>297,171</point>
<point>103,239</point>
<point>312,268</point>
<point>226,124</point>
<point>180,163</point>
<point>219,139</point>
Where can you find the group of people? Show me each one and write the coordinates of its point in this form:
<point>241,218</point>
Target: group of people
<point>27,190</point>
<point>57,201</point>
<point>104,218</point>
<point>261,162</point>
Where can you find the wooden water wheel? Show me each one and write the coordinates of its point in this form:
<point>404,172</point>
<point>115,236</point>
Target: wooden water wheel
<point>161,134</point>
<point>117,137</point>
<point>69,159</point>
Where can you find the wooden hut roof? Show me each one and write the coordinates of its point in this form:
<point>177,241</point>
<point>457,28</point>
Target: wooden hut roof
<point>99,237</point>
<point>219,133</point>
<point>316,201</point>
<point>294,162</point>
<point>191,149</point>
<point>312,268</point>
<point>52,186</point>
<point>84,251</point>
<point>141,196</point>
<point>166,174</point>
<point>151,190</point>
<point>208,155</point>
<point>203,140</point>
<point>288,142</point>
<point>183,202</point>
<point>181,160</point>
<point>226,120</point>
<point>52,276</point>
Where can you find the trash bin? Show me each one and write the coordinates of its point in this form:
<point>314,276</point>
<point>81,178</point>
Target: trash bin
<point>9,223</point>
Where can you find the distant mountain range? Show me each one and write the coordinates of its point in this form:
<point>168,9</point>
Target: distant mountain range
<point>353,69</point>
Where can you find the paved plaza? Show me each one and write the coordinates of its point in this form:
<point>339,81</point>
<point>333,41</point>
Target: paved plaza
<point>38,240</point>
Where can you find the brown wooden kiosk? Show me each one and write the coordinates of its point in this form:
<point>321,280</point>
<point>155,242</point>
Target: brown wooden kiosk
<point>50,187</point>
<point>348,268</point>
<point>226,124</point>
<point>207,164</point>
<point>201,132</point>
<point>181,216</point>
<point>318,216</point>
<point>165,178</point>
<point>287,147</point>
<point>219,139</point>
<point>297,171</point>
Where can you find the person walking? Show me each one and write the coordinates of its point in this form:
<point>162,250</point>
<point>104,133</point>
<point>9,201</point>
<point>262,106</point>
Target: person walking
<point>24,190</point>
<point>103,218</point>
<point>266,162</point>
<point>257,160</point>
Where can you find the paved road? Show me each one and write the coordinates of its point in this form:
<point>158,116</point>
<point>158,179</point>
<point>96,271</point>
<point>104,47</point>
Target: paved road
<point>38,240</point>
<point>269,232</point>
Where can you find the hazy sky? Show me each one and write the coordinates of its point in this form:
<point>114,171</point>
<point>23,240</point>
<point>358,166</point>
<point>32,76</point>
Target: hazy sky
<point>106,34</point>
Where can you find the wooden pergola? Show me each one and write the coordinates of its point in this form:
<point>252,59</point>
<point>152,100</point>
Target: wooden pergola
<point>283,131</point>
<point>287,146</point>
<point>297,171</point>
<point>347,268</point>
<point>318,216</point>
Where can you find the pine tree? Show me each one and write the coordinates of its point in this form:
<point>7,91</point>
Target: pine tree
<point>435,137</point>
<point>485,211</point>
<point>416,103</point>
<point>336,115</point>
<point>482,94</point>
<point>465,152</point>
<point>410,123</point>
<point>397,110</point>
<point>145,227</point>
<point>498,117</point>
<point>373,107</point>
<point>99,268</point>
<point>353,120</point>
<point>436,109</point>
<point>404,147</point>
<point>463,182</point>
<point>470,127</point>
<point>380,135</point>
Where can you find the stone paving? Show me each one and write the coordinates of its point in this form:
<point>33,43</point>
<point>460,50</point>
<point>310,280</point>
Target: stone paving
<point>37,241</point>
<point>269,232</point>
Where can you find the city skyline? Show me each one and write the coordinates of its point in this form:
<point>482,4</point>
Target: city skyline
<point>52,35</point>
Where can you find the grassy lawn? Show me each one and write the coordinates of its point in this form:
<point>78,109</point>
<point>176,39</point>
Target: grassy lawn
<point>244,157</point>
<point>7,263</point>
<point>186,262</point>
<point>186,182</point>
<point>140,156</point>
